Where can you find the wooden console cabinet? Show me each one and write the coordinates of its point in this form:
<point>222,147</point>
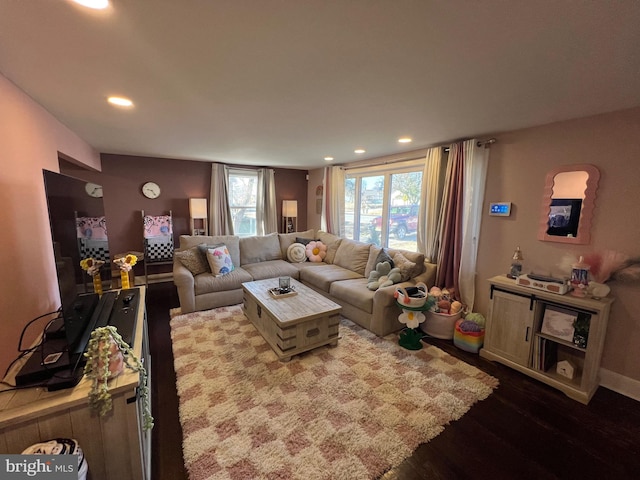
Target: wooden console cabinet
<point>515,338</point>
<point>116,446</point>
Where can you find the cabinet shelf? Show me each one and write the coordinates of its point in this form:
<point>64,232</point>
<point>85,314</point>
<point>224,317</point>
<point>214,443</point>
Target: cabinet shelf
<point>513,336</point>
<point>561,342</point>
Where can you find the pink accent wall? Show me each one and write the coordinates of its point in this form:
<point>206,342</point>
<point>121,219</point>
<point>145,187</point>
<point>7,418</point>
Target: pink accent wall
<point>518,165</point>
<point>30,139</point>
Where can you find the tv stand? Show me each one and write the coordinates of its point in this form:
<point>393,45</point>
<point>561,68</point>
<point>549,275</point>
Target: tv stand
<point>116,446</point>
<point>516,336</point>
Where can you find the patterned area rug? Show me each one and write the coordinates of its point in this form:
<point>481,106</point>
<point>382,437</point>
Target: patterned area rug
<point>346,412</point>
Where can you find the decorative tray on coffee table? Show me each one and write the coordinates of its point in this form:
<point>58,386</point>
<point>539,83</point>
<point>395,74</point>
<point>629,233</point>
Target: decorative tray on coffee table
<point>282,293</point>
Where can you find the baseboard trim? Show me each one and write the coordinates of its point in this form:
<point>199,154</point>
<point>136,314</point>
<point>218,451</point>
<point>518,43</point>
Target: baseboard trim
<point>619,383</point>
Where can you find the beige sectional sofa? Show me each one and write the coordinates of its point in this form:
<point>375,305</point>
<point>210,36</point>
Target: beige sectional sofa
<point>342,276</point>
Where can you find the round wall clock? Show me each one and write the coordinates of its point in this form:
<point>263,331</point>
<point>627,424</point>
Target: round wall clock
<point>93,190</point>
<point>151,190</point>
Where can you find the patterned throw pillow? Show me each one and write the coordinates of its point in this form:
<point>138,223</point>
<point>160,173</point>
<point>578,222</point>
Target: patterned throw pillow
<point>220,260</point>
<point>202,249</point>
<point>296,253</point>
<point>405,265</point>
<point>192,259</point>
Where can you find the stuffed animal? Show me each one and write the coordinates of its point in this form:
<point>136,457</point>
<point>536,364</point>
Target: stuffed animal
<point>383,276</point>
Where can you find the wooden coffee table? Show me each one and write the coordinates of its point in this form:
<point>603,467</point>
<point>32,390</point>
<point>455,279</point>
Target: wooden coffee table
<point>292,324</point>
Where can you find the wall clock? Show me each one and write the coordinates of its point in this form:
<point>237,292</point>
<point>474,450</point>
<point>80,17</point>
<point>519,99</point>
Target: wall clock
<point>93,190</point>
<point>151,190</point>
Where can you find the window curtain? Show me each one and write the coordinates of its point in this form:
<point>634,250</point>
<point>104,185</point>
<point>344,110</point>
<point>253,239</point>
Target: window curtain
<point>476,164</point>
<point>220,222</point>
<point>451,221</point>
<point>431,194</point>
<point>266,211</point>
<point>332,219</point>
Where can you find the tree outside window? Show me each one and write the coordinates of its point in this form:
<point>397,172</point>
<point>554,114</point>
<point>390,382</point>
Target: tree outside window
<point>243,194</point>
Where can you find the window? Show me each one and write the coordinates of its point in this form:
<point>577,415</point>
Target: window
<point>243,194</point>
<point>382,204</point>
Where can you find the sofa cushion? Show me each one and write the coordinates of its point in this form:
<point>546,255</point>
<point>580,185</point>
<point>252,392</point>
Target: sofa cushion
<point>323,276</point>
<point>287,239</point>
<point>193,260</point>
<point>352,255</point>
<point>354,292</point>
<point>231,241</point>
<point>374,251</point>
<point>332,242</point>
<point>207,283</point>
<point>271,269</point>
<point>260,249</point>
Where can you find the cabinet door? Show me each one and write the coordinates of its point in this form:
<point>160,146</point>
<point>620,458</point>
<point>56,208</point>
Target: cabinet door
<point>509,329</point>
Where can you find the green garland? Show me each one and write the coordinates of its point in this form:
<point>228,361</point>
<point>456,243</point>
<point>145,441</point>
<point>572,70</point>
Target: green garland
<point>99,351</point>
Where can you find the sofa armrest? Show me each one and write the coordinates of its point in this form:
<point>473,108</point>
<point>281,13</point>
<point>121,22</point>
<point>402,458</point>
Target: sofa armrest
<point>185,284</point>
<point>428,277</point>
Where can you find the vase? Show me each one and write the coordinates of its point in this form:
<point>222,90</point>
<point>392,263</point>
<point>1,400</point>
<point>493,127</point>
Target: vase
<point>124,276</point>
<point>97,283</point>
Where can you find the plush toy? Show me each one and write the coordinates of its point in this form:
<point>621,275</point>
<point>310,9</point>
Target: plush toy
<point>383,276</point>
<point>316,251</point>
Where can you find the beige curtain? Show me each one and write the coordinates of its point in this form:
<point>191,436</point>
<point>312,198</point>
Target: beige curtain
<point>220,214</point>
<point>266,211</point>
<point>476,164</point>
<point>430,206</point>
<point>332,220</point>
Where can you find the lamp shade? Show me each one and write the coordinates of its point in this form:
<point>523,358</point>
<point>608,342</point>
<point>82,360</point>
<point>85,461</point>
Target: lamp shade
<point>289,208</point>
<point>198,207</point>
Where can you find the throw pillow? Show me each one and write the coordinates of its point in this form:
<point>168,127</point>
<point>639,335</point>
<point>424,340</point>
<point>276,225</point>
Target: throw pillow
<point>220,260</point>
<point>304,241</point>
<point>384,256</point>
<point>316,251</point>
<point>202,250</point>
<point>296,253</point>
<point>192,259</point>
<point>405,265</point>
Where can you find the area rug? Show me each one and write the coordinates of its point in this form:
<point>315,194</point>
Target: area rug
<point>348,412</point>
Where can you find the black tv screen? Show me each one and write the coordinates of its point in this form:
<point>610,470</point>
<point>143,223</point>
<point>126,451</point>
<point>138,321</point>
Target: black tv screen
<point>564,217</point>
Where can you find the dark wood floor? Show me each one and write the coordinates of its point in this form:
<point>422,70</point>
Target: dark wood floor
<point>524,430</point>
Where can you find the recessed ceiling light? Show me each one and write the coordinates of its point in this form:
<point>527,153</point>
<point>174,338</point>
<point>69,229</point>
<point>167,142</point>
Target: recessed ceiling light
<point>328,159</point>
<point>359,150</point>
<point>95,4</point>
<point>120,101</point>
<point>405,140</point>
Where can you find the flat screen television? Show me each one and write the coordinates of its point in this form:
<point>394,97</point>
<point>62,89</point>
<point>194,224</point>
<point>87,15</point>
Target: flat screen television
<point>564,217</point>
<point>69,199</point>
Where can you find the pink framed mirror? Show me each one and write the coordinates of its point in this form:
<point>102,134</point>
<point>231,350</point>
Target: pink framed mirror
<point>568,204</point>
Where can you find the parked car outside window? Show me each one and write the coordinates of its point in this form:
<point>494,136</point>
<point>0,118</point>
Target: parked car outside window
<point>403,220</point>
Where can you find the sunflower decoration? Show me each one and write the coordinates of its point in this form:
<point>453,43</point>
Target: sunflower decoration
<point>127,262</point>
<point>92,267</point>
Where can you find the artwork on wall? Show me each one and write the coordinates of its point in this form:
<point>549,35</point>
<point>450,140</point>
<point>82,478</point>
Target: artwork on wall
<point>319,191</point>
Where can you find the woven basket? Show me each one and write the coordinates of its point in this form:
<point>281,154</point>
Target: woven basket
<point>440,325</point>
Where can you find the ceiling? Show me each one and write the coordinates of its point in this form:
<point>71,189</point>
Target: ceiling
<point>285,83</point>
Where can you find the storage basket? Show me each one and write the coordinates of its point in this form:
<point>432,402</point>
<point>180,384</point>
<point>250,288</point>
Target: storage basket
<point>467,341</point>
<point>440,325</point>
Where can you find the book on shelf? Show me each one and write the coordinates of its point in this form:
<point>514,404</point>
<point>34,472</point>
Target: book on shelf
<point>545,353</point>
